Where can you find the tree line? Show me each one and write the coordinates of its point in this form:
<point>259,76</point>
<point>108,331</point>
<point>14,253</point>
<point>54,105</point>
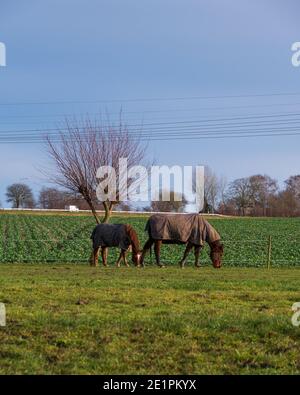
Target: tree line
<point>256,195</point>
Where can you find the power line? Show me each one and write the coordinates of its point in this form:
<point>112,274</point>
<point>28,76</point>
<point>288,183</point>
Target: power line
<point>183,124</point>
<point>178,138</point>
<point>168,130</point>
<point>152,111</point>
<point>184,98</point>
<point>157,136</point>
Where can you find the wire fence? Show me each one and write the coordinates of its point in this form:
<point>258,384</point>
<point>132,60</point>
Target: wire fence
<point>271,251</point>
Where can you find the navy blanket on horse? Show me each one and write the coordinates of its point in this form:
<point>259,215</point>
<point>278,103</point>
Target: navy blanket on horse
<point>110,235</point>
<point>181,227</point>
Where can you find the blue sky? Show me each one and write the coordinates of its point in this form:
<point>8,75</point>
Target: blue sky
<point>97,51</point>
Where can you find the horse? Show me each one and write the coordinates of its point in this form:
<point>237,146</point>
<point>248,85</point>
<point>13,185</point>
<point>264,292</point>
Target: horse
<point>114,235</point>
<point>189,229</point>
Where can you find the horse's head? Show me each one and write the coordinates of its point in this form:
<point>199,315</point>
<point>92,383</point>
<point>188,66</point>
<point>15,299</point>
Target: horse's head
<point>216,254</point>
<point>135,244</point>
<point>136,258</point>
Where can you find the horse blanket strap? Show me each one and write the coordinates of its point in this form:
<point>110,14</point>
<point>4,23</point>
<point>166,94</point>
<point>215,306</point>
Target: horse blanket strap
<point>181,227</point>
<point>110,235</point>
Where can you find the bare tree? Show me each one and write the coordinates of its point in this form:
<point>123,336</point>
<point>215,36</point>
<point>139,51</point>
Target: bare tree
<point>284,204</point>
<point>262,188</point>
<point>240,193</point>
<point>211,190</point>
<point>293,185</point>
<point>53,198</point>
<point>20,195</point>
<point>222,191</point>
<point>85,146</point>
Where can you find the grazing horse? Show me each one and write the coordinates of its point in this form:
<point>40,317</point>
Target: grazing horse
<point>114,235</point>
<point>189,229</point>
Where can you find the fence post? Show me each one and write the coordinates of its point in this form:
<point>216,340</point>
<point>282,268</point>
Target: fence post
<point>269,252</point>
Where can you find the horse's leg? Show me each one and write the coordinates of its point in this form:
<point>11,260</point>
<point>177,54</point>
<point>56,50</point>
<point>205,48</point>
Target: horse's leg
<point>94,257</point>
<point>197,250</point>
<point>157,245</point>
<point>104,251</point>
<point>188,248</point>
<point>118,263</point>
<point>146,248</point>
<point>125,259</point>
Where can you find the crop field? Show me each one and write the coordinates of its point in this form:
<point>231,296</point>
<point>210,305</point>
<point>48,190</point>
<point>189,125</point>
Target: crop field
<point>49,238</point>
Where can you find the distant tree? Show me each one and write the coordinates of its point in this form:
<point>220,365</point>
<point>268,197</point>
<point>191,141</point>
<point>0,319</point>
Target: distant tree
<point>222,186</point>
<point>212,189</point>
<point>20,195</point>
<point>284,204</point>
<point>262,187</point>
<point>52,198</point>
<point>293,185</point>
<point>172,205</point>
<point>240,194</point>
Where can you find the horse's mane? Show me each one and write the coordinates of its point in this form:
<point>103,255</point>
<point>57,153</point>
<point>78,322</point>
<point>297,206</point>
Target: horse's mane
<point>216,246</point>
<point>133,238</point>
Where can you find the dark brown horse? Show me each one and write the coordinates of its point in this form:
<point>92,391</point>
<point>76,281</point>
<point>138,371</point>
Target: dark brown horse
<point>115,235</point>
<point>189,229</point>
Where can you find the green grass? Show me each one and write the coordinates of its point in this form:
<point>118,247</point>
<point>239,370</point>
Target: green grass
<point>66,238</point>
<point>72,319</point>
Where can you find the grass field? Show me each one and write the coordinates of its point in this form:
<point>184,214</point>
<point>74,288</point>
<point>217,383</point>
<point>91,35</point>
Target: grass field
<point>74,319</point>
<point>64,317</point>
<point>66,238</point>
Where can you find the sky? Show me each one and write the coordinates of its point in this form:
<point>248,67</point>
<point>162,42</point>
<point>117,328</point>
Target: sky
<point>161,61</point>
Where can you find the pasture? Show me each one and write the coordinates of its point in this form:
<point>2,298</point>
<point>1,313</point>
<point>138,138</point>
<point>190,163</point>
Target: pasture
<point>64,317</point>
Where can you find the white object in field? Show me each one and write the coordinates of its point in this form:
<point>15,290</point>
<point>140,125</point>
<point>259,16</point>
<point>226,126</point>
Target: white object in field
<point>2,314</point>
<point>72,208</point>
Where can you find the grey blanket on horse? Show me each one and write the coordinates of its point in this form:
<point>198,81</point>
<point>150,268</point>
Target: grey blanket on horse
<point>181,227</point>
<point>110,235</point>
